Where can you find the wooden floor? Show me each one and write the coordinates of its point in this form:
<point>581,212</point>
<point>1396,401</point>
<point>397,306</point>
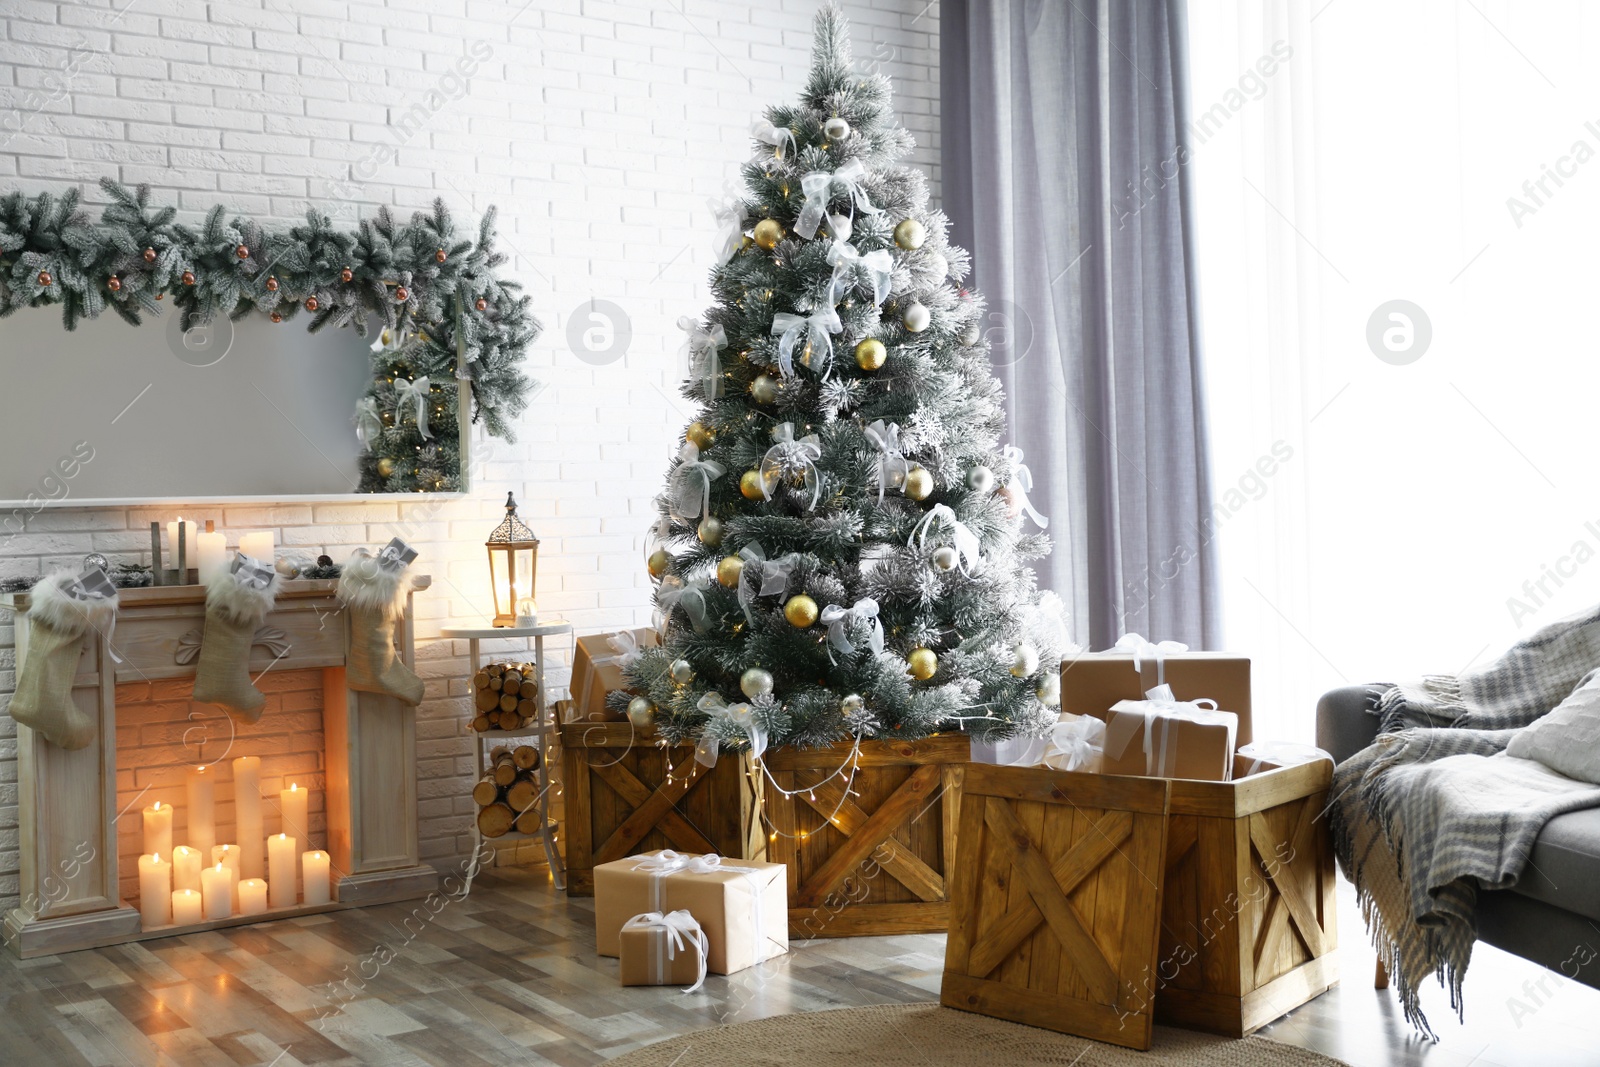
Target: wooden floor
<point>509,976</point>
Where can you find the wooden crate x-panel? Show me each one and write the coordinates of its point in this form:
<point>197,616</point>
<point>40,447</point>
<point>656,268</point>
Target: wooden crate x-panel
<point>1055,901</point>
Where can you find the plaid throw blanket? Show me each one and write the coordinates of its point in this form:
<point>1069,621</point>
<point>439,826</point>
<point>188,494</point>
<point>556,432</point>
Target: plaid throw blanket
<point>1421,820</point>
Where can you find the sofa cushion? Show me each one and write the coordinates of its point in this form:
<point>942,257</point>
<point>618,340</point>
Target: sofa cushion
<point>1567,740</point>
<point>1564,866</point>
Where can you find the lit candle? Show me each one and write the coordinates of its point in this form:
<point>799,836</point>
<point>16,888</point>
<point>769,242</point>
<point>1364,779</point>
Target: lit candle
<point>315,866</point>
<point>258,546</point>
<point>186,907</point>
<point>213,553</point>
<point>189,529</point>
<point>186,864</point>
<point>216,887</point>
<point>158,829</point>
<point>280,871</point>
<point>252,897</point>
<point>295,803</point>
<point>155,892</point>
<point>229,856</point>
<point>202,813</point>
<point>247,815</point>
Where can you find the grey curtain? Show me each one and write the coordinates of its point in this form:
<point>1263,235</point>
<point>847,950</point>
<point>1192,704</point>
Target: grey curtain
<point>1064,174</point>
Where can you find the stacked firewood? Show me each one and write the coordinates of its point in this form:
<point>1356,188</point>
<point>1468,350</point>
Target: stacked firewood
<point>503,694</point>
<point>508,793</point>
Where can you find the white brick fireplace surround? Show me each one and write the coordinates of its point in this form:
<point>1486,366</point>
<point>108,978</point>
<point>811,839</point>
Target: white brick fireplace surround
<point>598,128</point>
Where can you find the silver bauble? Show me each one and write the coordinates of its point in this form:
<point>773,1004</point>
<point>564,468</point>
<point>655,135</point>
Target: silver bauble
<point>945,558</point>
<point>641,711</point>
<point>1026,661</point>
<point>969,334</point>
<point>682,671</point>
<point>852,704</point>
<point>980,479</point>
<point>95,559</point>
<point>755,683</point>
<point>1049,690</point>
<point>836,128</point>
<point>916,317</point>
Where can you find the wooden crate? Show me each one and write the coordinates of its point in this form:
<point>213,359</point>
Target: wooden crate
<point>619,801</point>
<point>1055,900</point>
<point>872,863</point>
<point>1248,929</point>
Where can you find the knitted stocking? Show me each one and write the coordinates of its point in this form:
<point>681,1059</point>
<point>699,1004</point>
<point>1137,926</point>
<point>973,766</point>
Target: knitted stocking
<point>375,596</point>
<point>235,609</point>
<point>57,623</point>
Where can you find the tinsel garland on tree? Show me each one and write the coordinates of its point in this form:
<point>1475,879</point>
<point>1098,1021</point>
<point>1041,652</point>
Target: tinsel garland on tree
<point>439,287</point>
<point>839,551</point>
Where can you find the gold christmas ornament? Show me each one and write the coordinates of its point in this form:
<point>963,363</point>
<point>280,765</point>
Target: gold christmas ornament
<point>755,682</point>
<point>923,663</point>
<point>710,531</point>
<point>682,671</point>
<point>729,570</point>
<point>641,711</point>
<point>699,435</point>
<point>919,483</point>
<point>768,233</point>
<point>764,390</point>
<point>750,485</point>
<point>658,562</point>
<point>910,234</point>
<point>746,243</point>
<point>916,317</point>
<point>870,354</point>
<point>801,611</point>
<point>385,466</point>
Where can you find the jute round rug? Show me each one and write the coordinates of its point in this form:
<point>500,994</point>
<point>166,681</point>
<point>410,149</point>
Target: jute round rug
<point>921,1035</point>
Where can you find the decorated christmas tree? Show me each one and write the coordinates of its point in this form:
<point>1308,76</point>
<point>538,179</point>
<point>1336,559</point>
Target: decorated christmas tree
<point>839,552</point>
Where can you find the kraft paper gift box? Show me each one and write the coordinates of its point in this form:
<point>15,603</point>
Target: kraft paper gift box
<point>1092,682</point>
<point>742,905</point>
<point>657,949</point>
<point>1162,738</point>
<point>597,665</point>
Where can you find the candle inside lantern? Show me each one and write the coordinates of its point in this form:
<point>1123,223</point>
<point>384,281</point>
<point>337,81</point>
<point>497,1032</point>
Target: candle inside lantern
<point>247,815</point>
<point>258,546</point>
<point>216,887</point>
<point>280,871</point>
<point>213,553</point>
<point>186,864</point>
<point>158,829</point>
<point>252,897</point>
<point>155,892</point>
<point>295,804</point>
<point>189,529</point>
<point>186,907</point>
<point>202,813</point>
<point>315,866</point>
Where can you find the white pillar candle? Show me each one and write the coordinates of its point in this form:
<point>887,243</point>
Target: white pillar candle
<point>258,546</point>
<point>155,892</point>
<point>315,866</point>
<point>280,871</point>
<point>295,804</point>
<point>213,553</point>
<point>252,897</point>
<point>247,815</point>
<point>186,907</point>
<point>202,813</point>
<point>229,856</point>
<point>186,864</point>
<point>158,829</point>
<point>216,887</point>
<point>190,529</point>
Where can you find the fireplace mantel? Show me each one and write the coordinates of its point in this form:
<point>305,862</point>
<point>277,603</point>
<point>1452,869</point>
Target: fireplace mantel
<point>67,801</point>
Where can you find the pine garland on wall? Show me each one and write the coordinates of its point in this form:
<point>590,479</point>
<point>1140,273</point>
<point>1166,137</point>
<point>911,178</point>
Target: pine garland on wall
<point>439,299</point>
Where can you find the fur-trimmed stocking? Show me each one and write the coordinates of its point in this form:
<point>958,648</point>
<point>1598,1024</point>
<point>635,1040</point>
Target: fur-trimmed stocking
<point>236,604</point>
<point>57,623</point>
<point>375,596</point>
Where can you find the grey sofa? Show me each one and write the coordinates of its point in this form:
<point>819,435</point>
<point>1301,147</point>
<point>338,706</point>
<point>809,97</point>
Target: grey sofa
<point>1552,916</point>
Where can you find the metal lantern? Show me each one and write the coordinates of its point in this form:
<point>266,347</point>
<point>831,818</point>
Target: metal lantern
<point>513,562</point>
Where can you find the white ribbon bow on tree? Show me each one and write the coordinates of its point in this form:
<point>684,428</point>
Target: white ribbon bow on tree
<point>886,439</point>
<point>675,593</point>
<point>741,715</point>
<point>787,455</point>
<point>691,482</point>
<point>728,213</point>
<point>965,541</point>
<point>1155,651</point>
<point>763,577</point>
<point>1022,484</point>
<point>818,188</point>
<point>814,328</point>
<point>701,350</point>
<point>678,932</point>
<point>414,393</point>
<point>368,423</point>
<point>838,619</point>
<point>776,136</point>
<point>845,258</point>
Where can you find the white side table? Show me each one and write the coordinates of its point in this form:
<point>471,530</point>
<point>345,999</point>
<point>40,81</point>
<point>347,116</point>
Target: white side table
<point>543,733</point>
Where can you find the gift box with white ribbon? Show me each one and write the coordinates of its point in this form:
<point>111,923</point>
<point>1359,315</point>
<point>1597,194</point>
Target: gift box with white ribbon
<point>657,949</point>
<point>1161,737</point>
<point>597,665</point>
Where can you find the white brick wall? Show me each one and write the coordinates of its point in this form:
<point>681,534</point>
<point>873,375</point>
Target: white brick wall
<point>598,128</point>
